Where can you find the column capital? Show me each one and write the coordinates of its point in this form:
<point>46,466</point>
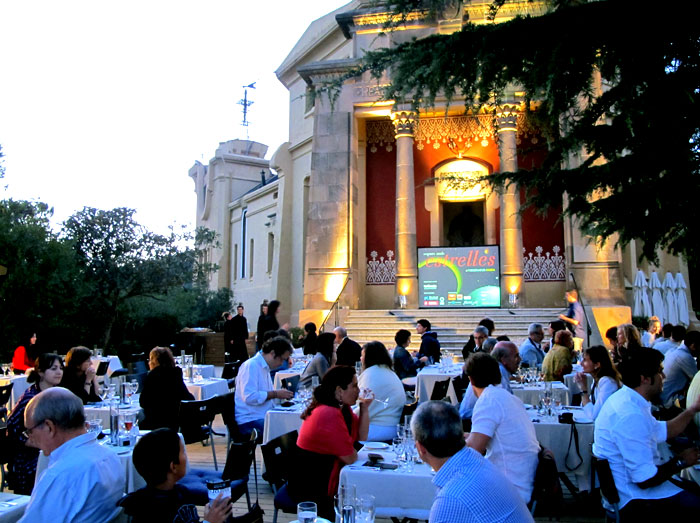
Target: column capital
<point>404,123</point>
<point>507,117</point>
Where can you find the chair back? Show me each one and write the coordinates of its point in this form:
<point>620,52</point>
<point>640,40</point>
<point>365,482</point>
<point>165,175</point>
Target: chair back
<point>409,409</point>
<point>5,393</point>
<point>240,457</point>
<point>546,489</point>
<point>231,370</point>
<point>291,383</point>
<point>440,390</point>
<point>460,384</point>
<point>278,455</point>
<point>309,476</point>
<point>226,406</point>
<point>137,367</point>
<point>139,378</point>
<point>606,480</point>
<point>195,419</point>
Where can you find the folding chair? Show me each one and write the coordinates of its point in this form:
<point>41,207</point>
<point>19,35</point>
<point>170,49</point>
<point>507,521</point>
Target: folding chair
<point>607,488</point>
<point>196,418</point>
<point>546,489</point>
<point>440,390</point>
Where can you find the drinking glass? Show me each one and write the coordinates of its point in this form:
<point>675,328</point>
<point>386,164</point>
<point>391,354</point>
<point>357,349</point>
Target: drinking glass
<point>306,512</point>
<point>358,367</point>
<point>397,444</point>
<point>314,382</point>
<point>365,509</point>
<point>94,425</point>
<point>98,353</point>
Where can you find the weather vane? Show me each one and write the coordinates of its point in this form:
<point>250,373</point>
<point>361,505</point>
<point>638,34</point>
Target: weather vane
<point>246,103</point>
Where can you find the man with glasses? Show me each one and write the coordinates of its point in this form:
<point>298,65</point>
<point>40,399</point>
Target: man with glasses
<point>531,350</point>
<point>83,480</point>
<point>254,389</point>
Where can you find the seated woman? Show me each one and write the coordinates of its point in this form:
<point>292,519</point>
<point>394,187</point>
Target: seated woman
<point>79,376</point>
<point>21,467</point>
<point>606,379</point>
<point>163,390</point>
<point>327,439</point>
<point>322,360</point>
<point>628,339</point>
<point>310,338</point>
<point>405,365</point>
<point>377,376</point>
<point>25,355</point>
<point>558,361</point>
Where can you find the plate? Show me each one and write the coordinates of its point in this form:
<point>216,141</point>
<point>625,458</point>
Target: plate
<point>580,418</point>
<point>376,445</point>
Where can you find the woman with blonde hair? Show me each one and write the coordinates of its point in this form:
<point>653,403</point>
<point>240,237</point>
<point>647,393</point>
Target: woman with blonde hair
<point>628,339</point>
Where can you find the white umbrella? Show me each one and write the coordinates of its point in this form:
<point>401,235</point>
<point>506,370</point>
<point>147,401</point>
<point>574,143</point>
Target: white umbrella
<point>642,307</point>
<point>670,305</point>
<point>657,301</point>
<point>682,300</point>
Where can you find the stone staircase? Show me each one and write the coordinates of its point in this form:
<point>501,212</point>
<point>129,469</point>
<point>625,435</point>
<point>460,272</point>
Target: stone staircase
<point>453,326</point>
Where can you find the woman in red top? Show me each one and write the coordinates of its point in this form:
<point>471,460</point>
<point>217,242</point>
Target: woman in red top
<point>25,355</point>
<point>328,436</point>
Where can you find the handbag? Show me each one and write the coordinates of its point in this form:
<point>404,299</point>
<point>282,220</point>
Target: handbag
<point>255,514</point>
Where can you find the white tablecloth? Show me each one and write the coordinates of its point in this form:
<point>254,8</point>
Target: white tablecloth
<point>19,385</point>
<point>396,493</point>
<point>205,389</point>
<point>428,376</point>
<point>531,393</point>
<point>295,370</point>
<point>12,507</point>
<point>281,421</point>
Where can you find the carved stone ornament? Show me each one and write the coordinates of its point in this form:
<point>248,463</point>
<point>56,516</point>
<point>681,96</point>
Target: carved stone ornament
<point>507,117</point>
<point>404,123</point>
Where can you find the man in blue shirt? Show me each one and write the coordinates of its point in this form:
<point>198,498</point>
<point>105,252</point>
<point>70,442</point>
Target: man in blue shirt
<point>574,315</point>
<point>531,350</point>
<point>470,489</point>
<point>680,367</point>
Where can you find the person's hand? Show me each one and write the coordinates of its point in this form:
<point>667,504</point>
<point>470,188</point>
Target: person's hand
<point>284,394</point>
<point>290,361</point>
<point>581,381</point>
<point>90,374</point>
<point>218,510</point>
<point>424,359</point>
<point>690,456</point>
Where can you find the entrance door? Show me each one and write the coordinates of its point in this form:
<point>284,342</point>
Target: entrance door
<point>463,223</point>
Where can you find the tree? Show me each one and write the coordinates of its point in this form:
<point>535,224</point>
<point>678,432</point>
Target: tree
<point>42,290</point>
<point>637,130</point>
<point>122,260</point>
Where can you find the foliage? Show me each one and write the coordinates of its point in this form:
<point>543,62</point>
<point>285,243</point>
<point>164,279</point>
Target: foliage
<point>297,333</point>
<point>633,135</point>
<point>42,289</point>
<point>123,260</point>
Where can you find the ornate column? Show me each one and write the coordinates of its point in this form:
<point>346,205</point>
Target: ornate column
<point>406,256</point>
<point>511,228</point>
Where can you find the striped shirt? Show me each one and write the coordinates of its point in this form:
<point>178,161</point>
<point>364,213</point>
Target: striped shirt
<point>470,489</point>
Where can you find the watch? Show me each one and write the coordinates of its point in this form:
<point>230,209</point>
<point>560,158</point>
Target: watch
<point>680,464</point>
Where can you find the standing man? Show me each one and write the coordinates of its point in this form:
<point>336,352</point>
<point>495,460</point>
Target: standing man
<point>575,318</point>
<point>239,335</point>
<point>429,344</point>
<point>348,352</point>
<point>627,435</point>
<point>83,480</point>
<point>470,488</point>
<point>531,350</point>
<point>254,390</point>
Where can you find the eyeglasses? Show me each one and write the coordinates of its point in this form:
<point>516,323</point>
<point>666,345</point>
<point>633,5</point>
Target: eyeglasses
<point>27,433</point>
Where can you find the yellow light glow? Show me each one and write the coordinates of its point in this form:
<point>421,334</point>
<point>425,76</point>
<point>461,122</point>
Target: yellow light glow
<point>334,284</point>
<point>404,287</point>
<point>465,170</point>
<point>513,284</point>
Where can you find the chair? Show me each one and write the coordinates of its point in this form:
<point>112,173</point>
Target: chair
<point>308,481</point>
<point>546,489</point>
<point>141,356</point>
<point>607,488</point>
<point>278,457</point>
<point>440,390</point>
<point>137,367</point>
<point>5,395</point>
<point>409,409</point>
<point>139,378</point>
<point>460,384</point>
<point>195,419</point>
<point>5,452</point>
<point>226,406</point>
<point>230,372</point>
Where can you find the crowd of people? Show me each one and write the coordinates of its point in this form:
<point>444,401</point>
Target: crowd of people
<point>635,390</point>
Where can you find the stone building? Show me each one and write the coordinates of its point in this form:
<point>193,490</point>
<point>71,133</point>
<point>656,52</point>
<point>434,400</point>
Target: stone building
<point>360,186</point>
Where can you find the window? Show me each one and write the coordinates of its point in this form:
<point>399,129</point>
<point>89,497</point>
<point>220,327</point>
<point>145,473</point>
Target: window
<point>244,224</point>
<point>270,251</point>
<point>235,261</point>
<point>250,258</point>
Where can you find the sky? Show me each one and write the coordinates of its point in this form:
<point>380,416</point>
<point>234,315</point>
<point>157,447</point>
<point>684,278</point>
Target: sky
<point>108,104</point>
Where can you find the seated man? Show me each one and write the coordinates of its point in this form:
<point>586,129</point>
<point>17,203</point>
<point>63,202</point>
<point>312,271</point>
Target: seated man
<point>672,343</point>
<point>254,391</point>
<point>83,480</point>
<point>161,459</point>
<point>558,361</point>
<point>680,367</point>
<point>531,350</point>
<point>405,365</point>
<point>627,435</point>
<point>501,427</point>
<point>470,488</point>
<point>349,351</point>
<point>477,339</point>
<point>508,358</point>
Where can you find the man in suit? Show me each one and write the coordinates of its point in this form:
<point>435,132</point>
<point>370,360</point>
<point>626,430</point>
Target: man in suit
<point>348,351</point>
<point>239,335</point>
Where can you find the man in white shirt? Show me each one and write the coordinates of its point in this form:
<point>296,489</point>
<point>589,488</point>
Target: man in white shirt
<point>254,390</point>
<point>531,350</point>
<point>501,427</point>
<point>627,435</point>
<point>83,480</point>
<point>680,368</point>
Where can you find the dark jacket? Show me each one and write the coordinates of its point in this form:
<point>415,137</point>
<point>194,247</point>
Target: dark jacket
<point>348,352</point>
<point>405,365</point>
<point>266,324</point>
<point>150,505</point>
<point>76,384</point>
<point>430,346</point>
<point>163,390</point>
